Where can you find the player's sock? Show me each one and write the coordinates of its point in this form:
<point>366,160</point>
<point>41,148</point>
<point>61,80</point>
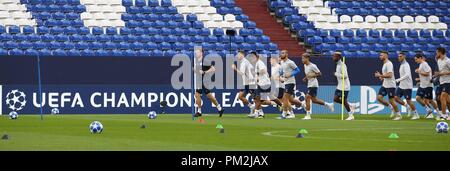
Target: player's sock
<point>308,112</point>
<point>219,108</point>
<point>199,110</point>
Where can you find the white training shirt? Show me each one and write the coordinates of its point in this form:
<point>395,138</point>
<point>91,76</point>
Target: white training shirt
<point>405,79</point>
<point>388,68</point>
<point>288,66</point>
<point>341,72</point>
<point>312,68</point>
<point>444,66</point>
<point>246,68</point>
<point>425,81</point>
<point>275,73</point>
<point>262,74</point>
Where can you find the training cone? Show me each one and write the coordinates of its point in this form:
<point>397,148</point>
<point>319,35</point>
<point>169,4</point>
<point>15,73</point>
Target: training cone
<point>302,131</point>
<point>201,120</point>
<point>393,136</point>
<point>300,135</point>
<point>222,130</point>
<point>219,126</point>
<point>5,137</point>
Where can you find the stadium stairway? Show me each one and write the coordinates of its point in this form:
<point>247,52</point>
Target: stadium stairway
<point>257,12</point>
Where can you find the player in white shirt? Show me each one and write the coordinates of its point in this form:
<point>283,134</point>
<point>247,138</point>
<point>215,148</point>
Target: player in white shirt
<point>245,70</point>
<point>424,93</point>
<point>444,79</point>
<point>262,79</point>
<point>312,73</point>
<point>275,77</point>
<point>287,76</point>
<point>388,86</point>
<point>405,87</point>
<point>343,85</point>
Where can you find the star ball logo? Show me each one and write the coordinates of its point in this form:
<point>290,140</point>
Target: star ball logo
<point>16,100</point>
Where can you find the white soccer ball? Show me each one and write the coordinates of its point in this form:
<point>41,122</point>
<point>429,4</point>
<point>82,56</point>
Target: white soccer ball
<point>55,111</point>
<point>13,115</point>
<point>152,115</point>
<point>442,127</point>
<point>96,127</point>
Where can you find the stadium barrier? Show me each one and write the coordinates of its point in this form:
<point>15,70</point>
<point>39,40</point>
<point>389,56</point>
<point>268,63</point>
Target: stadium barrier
<point>103,85</point>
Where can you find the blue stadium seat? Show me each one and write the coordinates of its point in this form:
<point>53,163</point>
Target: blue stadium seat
<point>343,40</point>
<point>14,30</point>
<point>361,33</point>
<point>412,33</point>
<point>400,33</point>
<point>348,33</point>
<point>425,33</point>
<point>26,30</point>
<point>387,33</point>
<point>335,33</point>
<point>356,40</point>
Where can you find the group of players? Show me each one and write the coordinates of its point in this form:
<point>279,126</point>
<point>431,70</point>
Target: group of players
<point>426,82</point>
<point>257,83</point>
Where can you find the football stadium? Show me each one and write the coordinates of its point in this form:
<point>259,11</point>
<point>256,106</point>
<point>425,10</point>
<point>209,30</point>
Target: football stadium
<point>224,75</point>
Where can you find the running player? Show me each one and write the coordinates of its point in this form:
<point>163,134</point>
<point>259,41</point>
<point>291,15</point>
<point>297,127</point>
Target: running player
<point>288,72</point>
<point>343,85</point>
<point>444,79</point>
<point>262,92</point>
<point>245,70</point>
<point>388,86</point>
<point>203,71</point>
<point>405,87</point>
<point>425,91</point>
<point>275,77</point>
<point>312,73</point>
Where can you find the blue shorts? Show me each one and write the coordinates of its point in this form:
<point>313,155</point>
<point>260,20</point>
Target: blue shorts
<point>339,93</point>
<point>280,93</point>
<point>289,89</point>
<point>203,90</point>
<point>426,93</point>
<point>438,91</point>
<point>390,92</point>
<point>445,87</point>
<point>247,90</point>
<point>312,91</point>
<point>407,93</point>
<point>260,90</point>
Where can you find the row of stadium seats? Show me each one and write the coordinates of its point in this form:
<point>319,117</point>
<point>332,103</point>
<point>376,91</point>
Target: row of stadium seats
<point>370,40</point>
<point>135,46</point>
<point>392,47</point>
<point>102,52</point>
<point>405,4</point>
<point>134,38</point>
<point>317,24</point>
<point>376,54</point>
<point>374,33</point>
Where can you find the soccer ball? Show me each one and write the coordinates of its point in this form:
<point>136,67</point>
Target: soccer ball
<point>152,115</point>
<point>442,127</point>
<point>55,111</point>
<point>96,127</point>
<point>13,115</point>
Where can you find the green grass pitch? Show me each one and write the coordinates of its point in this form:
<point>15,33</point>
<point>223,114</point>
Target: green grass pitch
<point>180,132</point>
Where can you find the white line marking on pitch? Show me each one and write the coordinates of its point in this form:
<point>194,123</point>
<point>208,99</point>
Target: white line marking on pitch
<point>274,134</point>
